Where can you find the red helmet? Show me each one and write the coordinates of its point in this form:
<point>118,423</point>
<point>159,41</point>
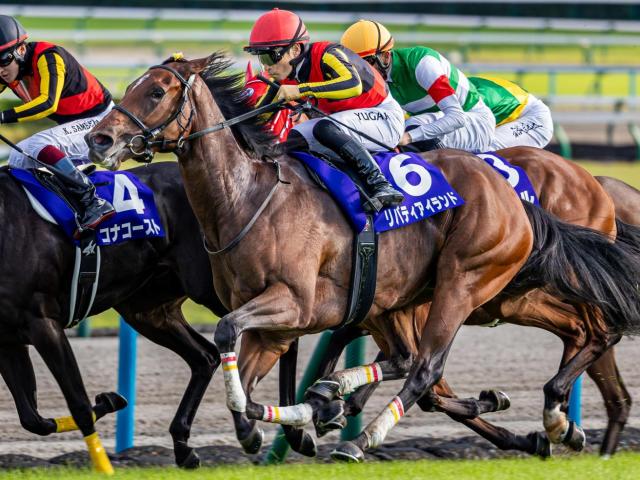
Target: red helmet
<point>277,28</point>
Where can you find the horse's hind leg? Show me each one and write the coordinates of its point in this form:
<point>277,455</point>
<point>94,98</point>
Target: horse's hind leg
<point>49,339</point>
<point>166,326</point>
<point>617,400</point>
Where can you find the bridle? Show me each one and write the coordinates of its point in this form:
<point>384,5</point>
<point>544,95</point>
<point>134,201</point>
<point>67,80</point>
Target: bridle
<point>143,152</point>
<point>141,145</point>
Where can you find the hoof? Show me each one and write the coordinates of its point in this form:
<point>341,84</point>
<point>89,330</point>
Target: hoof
<point>252,443</point>
<point>111,401</point>
<point>541,444</point>
<point>330,417</point>
<point>307,446</point>
<point>347,452</point>
<point>323,390</point>
<point>575,438</point>
<point>499,399</point>
<point>191,461</point>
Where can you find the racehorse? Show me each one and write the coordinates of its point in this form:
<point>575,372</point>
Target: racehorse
<point>287,272</point>
<point>571,193</point>
<point>146,281</point>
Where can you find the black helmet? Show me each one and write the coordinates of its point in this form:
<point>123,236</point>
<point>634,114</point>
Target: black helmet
<point>12,33</point>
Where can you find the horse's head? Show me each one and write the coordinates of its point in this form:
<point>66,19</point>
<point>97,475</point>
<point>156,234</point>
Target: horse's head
<point>155,113</point>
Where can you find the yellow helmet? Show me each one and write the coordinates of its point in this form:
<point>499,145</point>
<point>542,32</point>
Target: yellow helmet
<point>366,38</point>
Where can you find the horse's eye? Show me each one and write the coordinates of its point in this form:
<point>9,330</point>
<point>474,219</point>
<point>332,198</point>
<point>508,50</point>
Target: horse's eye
<point>157,93</point>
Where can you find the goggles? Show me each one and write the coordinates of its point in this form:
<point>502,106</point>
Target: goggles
<point>270,56</point>
<point>7,57</point>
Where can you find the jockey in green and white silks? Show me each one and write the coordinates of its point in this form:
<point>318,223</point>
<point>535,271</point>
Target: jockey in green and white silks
<point>444,107</point>
<point>521,118</point>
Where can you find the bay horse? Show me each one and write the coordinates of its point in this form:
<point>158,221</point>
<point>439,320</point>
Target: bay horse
<point>287,273</point>
<point>146,281</point>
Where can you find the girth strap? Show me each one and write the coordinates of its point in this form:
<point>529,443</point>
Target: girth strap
<point>84,283</point>
<point>362,289</point>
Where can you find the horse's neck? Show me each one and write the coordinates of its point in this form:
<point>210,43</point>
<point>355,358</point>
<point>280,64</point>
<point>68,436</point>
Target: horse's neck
<point>218,175</point>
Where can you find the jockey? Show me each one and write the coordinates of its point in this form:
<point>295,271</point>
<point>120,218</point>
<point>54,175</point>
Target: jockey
<point>445,108</point>
<point>521,118</point>
<point>52,84</point>
<point>343,85</point>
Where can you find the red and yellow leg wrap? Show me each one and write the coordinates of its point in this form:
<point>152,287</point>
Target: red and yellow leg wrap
<point>99,458</point>
<point>379,428</point>
<point>68,424</point>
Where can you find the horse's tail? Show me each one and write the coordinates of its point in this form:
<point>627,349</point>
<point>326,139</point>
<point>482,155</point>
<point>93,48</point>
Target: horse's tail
<point>583,266</point>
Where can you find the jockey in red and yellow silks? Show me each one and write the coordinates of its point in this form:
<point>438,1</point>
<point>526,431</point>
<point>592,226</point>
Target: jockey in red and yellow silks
<point>52,84</point>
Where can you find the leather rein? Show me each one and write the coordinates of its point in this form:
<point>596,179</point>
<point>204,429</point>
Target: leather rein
<point>141,145</point>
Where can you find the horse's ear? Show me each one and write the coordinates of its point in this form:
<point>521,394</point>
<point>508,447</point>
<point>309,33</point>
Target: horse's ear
<point>199,64</point>
<point>176,57</point>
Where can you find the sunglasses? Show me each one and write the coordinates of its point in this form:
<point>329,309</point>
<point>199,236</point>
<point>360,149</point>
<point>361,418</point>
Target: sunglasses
<point>6,58</point>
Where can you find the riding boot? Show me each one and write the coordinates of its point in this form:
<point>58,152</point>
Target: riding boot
<point>379,190</point>
<point>93,209</point>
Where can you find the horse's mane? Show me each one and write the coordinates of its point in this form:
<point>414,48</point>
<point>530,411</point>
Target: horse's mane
<point>228,92</point>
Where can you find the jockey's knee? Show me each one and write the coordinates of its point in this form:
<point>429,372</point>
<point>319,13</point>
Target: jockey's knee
<point>296,141</point>
<point>330,135</point>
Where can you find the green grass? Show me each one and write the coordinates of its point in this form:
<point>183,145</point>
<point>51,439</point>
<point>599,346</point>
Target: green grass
<point>624,466</point>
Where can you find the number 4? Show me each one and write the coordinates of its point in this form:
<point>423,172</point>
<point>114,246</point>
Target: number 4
<point>122,183</point>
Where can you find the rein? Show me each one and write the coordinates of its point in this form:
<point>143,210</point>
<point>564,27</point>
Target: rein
<point>141,145</point>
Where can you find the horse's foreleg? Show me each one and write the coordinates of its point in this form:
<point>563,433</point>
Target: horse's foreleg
<point>274,312</point>
<point>299,440</point>
<point>166,326</point>
<point>17,371</point>
<point>49,339</point>
<point>617,400</point>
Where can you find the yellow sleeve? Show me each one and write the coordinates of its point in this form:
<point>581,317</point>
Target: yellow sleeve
<point>345,82</point>
<point>52,73</point>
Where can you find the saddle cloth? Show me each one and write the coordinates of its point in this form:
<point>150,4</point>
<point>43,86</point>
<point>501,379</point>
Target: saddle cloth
<point>136,212</point>
<point>426,191</point>
<point>516,176</point>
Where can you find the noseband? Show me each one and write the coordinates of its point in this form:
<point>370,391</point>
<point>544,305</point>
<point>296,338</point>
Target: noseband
<point>146,140</point>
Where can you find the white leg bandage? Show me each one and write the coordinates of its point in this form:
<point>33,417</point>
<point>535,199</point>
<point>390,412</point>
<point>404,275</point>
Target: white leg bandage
<point>295,415</point>
<point>378,429</point>
<point>353,378</point>
<point>236,398</point>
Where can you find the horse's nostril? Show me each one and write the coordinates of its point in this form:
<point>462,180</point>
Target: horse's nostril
<point>99,141</point>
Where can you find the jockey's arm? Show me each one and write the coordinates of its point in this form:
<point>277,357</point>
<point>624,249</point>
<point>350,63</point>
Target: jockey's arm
<point>432,77</point>
<point>344,81</point>
<point>52,74</point>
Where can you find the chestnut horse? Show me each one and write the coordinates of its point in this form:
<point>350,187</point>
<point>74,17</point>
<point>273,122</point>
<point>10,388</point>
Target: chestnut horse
<point>287,272</point>
<point>567,190</point>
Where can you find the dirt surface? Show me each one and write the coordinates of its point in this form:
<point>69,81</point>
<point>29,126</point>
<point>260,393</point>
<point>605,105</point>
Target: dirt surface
<point>516,360</point>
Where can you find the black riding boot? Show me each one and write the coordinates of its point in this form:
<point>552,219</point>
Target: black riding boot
<point>377,188</point>
<point>93,209</point>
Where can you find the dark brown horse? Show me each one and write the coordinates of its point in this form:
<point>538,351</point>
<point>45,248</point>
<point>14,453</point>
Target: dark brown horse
<point>288,273</point>
<point>146,281</point>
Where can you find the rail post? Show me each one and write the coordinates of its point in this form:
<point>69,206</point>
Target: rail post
<point>126,386</point>
<point>355,356</point>
<point>575,402</point>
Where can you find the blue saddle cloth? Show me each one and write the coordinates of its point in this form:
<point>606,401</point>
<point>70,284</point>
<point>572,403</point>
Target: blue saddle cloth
<point>516,176</point>
<point>136,212</point>
<point>426,191</point>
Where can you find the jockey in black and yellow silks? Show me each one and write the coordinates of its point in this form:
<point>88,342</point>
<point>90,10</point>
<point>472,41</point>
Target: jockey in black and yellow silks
<point>52,84</point>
